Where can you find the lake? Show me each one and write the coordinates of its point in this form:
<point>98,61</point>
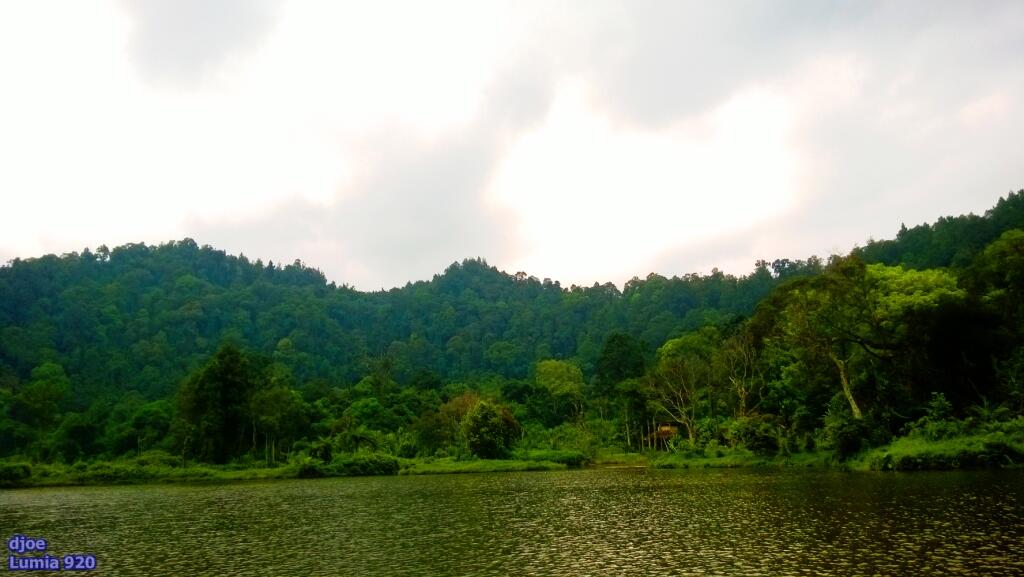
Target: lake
<point>587,522</point>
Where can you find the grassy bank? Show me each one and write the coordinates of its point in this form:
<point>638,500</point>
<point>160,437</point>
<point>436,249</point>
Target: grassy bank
<point>942,446</point>
<point>163,468</point>
<point>994,450</point>
<point>449,465</point>
<point>613,460</point>
<point>124,472</point>
<point>928,445</point>
<point>144,470</point>
<point>529,460</point>
<point>737,458</point>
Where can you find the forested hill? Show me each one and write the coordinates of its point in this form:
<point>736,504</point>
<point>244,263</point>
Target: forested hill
<point>141,317</point>
<point>950,241</point>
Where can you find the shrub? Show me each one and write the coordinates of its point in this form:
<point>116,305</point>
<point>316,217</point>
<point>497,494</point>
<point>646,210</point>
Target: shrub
<point>936,430</point>
<point>158,458</point>
<point>490,430</point>
<point>321,450</point>
<point>113,472</point>
<point>912,454</point>
<point>937,424</point>
<point>713,449</point>
<point>14,473</point>
<point>759,433</point>
<point>363,464</point>
<point>845,434</point>
<point>307,468</point>
<point>939,408</point>
<point>567,458</point>
<point>708,430</point>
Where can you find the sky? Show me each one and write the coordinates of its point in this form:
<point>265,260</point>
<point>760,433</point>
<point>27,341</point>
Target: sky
<point>586,141</point>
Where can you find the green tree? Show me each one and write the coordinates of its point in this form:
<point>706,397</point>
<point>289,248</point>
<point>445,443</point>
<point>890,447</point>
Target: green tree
<point>622,357</point>
<point>152,423</point>
<point>997,275</point>
<point>38,403</point>
<point>278,413</point>
<point>563,382</point>
<point>739,359</point>
<point>684,378</point>
<point>490,430</point>
<point>214,402</point>
<point>855,310</point>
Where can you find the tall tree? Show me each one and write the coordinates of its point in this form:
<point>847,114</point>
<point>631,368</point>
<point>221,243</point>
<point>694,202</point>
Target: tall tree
<point>215,403</point>
<point>684,378</point>
<point>856,311</point>
<point>563,382</point>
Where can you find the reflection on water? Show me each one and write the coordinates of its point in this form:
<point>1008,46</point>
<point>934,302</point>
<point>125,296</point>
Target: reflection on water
<point>592,522</point>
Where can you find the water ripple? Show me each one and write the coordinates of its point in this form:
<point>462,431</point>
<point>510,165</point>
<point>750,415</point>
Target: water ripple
<point>593,522</point>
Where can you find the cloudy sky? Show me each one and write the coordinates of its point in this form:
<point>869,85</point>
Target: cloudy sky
<point>582,141</point>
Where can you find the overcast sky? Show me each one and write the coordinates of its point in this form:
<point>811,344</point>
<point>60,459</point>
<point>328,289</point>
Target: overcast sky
<point>581,141</point>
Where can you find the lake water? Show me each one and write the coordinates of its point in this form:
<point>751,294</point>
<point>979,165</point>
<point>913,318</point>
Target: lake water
<point>589,522</point>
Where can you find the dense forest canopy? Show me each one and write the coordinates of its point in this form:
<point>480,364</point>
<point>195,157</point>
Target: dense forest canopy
<point>140,317</point>
<point>184,348</point>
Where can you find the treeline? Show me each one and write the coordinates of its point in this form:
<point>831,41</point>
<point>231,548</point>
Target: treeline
<point>216,358</point>
<point>142,317</point>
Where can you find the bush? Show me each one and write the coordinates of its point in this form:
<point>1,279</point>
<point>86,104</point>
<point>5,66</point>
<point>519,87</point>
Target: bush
<point>937,424</point>
<point>708,430</point>
<point>1013,428</point>
<point>759,433</point>
<point>567,436</point>
<point>914,454</point>
<point>567,458</point>
<point>713,449</point>
<point>244,463</point>
<point>158,458</point>
<point>112,472</point>
<point>308,468</point>
<point>936,430</point>
<point>845,434</point>
<point>363,464</point>
<point>443,466</point>
<point>490,430</point>
<point>13,473</point>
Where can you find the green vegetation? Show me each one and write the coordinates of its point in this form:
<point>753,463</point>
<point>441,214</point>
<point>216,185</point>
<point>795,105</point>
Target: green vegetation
<point>951,444</point>
<point>449,465</point>
<point>180,362</point>
<point>733,458</point>
<point>132,471</point>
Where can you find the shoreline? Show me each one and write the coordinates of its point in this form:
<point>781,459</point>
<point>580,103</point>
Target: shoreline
<point>890,458</point>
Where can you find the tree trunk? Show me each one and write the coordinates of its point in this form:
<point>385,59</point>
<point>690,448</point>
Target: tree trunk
<point>629,440</point>
<point>741,395</point>
<point>847,391</point>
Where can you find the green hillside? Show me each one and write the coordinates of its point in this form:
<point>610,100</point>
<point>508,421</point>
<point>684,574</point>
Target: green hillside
<point>185,349</point>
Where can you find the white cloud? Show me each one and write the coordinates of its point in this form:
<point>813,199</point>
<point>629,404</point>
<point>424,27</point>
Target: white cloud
<point>584,142</point>
<point>600,201</point>
<point>986,110</point>
<point>184,42</point>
